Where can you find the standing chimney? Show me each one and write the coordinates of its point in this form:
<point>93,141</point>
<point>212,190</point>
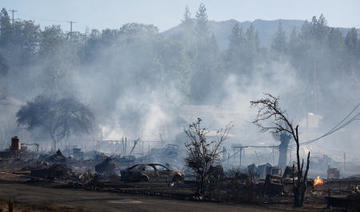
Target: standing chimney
<point>15,144</point>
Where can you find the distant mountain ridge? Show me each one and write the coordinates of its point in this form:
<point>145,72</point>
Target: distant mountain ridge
<point>265,28</point>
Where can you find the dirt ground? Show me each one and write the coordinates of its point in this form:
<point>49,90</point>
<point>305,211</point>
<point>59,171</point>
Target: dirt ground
<point>79,200</point>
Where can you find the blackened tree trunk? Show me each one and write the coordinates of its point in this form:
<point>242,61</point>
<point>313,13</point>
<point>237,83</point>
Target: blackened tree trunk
<point>268,108</point>
<point>300,184</point>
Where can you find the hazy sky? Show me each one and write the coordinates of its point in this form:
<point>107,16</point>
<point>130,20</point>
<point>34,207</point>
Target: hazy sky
<point>167,13</point>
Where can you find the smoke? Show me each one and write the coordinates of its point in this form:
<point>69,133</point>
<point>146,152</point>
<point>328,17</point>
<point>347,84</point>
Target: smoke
<point>141,84</point>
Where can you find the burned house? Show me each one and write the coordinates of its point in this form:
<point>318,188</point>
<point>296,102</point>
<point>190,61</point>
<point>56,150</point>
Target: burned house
<point>263,170</point>
<point>15,150</point>
<point>58,157</point>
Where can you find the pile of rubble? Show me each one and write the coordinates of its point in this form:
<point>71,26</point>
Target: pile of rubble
<point>106,168</point>
<point>55,171</point>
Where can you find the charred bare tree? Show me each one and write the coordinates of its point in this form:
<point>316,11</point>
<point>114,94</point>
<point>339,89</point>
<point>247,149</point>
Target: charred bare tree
<point>269,110</point>
<point>203,153</point>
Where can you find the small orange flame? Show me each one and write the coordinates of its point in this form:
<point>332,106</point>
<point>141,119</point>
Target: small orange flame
<point>318,181</point>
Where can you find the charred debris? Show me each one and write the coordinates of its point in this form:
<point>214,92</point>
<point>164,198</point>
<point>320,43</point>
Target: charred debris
<point>197,170</point>
<point>256,183</point>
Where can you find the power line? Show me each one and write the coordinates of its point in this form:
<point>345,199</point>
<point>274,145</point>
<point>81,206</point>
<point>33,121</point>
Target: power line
<point>354,118</point>
<point>353,110</point>
<point>338,126</point>
<point>60,22</point>
<point>334,129</point>
<point>40,19</point>
<point>52,20</point>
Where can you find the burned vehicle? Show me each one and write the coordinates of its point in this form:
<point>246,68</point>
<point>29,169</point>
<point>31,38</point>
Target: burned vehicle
<point>151,172</point>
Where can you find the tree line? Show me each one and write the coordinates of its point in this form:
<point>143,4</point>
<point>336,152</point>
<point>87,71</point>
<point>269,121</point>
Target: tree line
<point>190,59</point>
<point>138,57</point>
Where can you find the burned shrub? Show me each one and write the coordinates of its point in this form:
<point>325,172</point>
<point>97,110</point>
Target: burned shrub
<point>203,153</point>
<point>215,182</point>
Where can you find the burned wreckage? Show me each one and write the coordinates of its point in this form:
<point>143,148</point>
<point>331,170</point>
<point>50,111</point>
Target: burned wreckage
<point>97,171</point>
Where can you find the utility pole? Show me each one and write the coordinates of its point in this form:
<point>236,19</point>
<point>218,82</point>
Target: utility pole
<point>241,154</point>
<point>344,162</point>
<point>71,24</point>
<point>13,16</point>
<point>240,151</point>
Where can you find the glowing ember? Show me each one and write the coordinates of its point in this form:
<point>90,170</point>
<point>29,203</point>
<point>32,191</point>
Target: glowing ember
<point>318,181</point>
